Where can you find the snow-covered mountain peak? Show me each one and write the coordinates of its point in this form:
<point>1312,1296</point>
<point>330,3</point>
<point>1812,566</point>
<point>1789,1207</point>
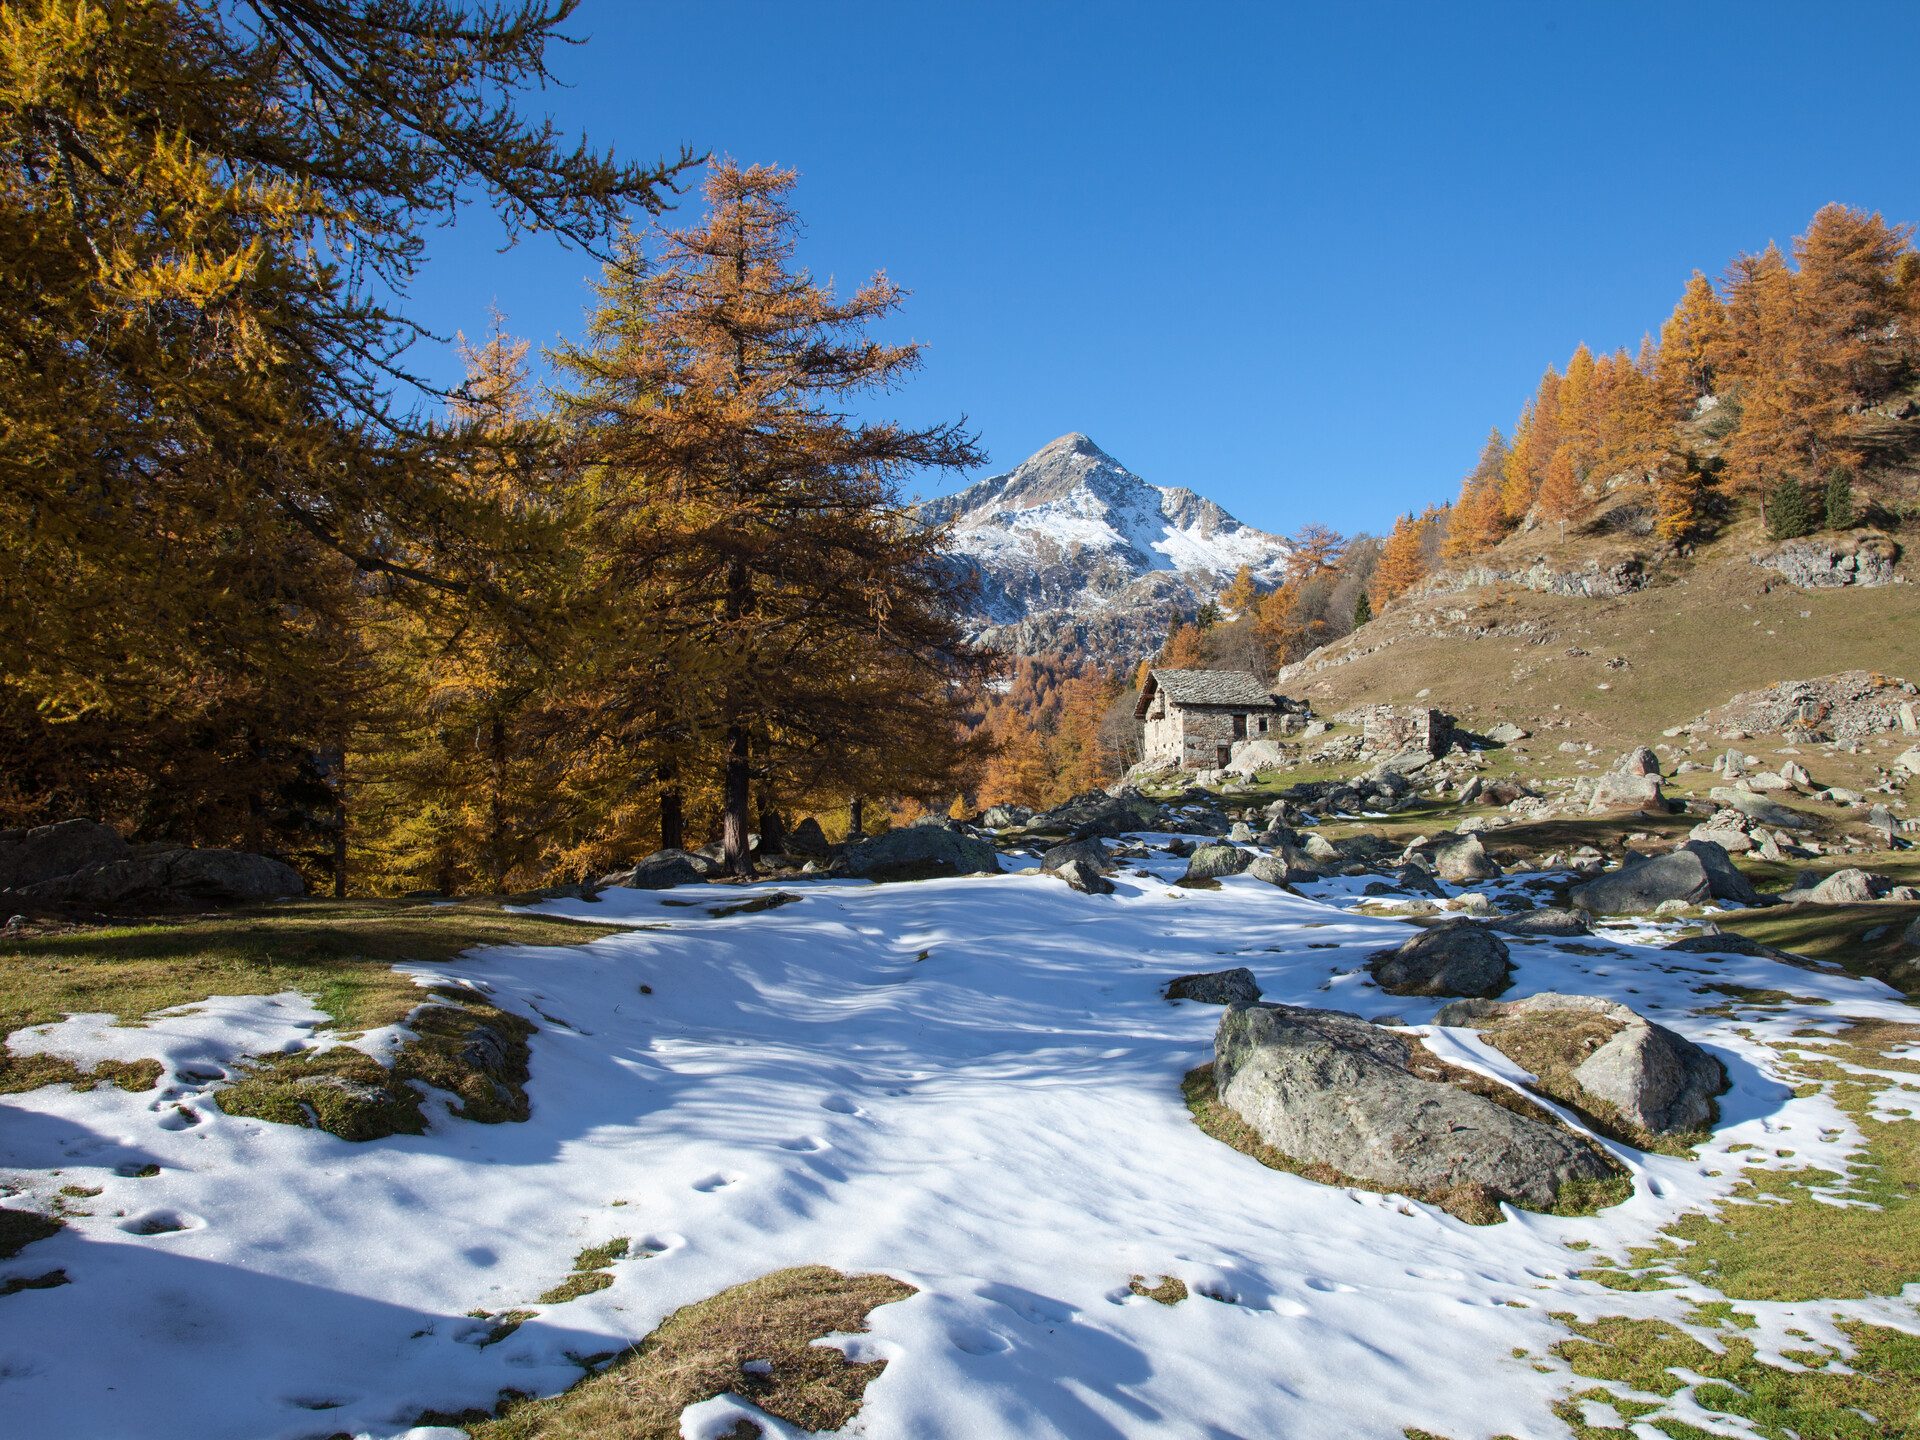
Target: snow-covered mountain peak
<point>1073,548</point>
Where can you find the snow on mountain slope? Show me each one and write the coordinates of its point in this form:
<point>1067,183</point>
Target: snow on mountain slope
<point>1073,546</point>
<point>971,1084</point>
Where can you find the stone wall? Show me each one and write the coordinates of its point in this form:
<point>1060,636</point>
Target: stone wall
<point>1193,736</point>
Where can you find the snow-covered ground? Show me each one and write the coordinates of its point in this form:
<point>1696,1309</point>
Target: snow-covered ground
<point>971,1084</point>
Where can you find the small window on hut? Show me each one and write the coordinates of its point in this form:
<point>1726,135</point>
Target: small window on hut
<point>1239,727</point>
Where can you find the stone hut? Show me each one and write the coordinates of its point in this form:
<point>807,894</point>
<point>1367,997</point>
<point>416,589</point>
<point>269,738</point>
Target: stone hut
<point>1193,718</point>
<point>1394,730</point>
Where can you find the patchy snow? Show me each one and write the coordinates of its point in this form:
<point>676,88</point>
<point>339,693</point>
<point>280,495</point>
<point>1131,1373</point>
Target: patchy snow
<point>998,1123</point>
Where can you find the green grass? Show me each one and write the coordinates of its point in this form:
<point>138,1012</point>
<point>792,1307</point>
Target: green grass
<point>701,1350</point>
<point>1876,1394</point>
<point>587,1275</point>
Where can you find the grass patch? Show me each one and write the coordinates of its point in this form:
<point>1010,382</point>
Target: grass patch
<point>587,1275</point>
<point>1170,1291</point>
<point>1472,1203</point>
<point>20,1228</point>
<point>1838,933</point>
<point>701,1350</point>
<point>1873,1392</point>
<point>341,953</point>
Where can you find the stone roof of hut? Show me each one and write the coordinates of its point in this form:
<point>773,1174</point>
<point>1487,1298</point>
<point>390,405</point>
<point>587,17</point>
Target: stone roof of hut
<point>1205,687</point>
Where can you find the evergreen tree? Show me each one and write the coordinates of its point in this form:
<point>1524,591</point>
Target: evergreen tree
<point>1362,610</point>
<point>730,483</point>
<point>1683,490</point>
<point>1838,506</point>
<point>1790,513</point>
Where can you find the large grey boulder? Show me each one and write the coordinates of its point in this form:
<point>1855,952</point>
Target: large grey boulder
<point>661,870</point>
<point>47,851</point>
<point>1216,987</point>
<point>1602,1056</point>
<point>1326,1088</point>
<point>808,839</point>
<point>1005,817</point>
<point>1848,887</point>
<point>1211,861</point>
<point>1284,865</point>
<point>1638,761</point>
<point>1758,807</point>
<point>1085,877</point>
<point>1461,858</point>
<point>1618,788</point>
<point>1547,920</point>
<point>1641,887</point>
<point>1724,879</point>
<point>921,852</point>
<point>1090,852</point>
<point>1505,733</point>
<point>1455,957</point>
<point>170,878</point>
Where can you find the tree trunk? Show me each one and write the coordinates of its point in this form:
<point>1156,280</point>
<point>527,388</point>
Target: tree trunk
<point>340,827</point>
<point>497,806</point>
<point>673,822</point>
<point>854,808</point>
<point>736,785</point>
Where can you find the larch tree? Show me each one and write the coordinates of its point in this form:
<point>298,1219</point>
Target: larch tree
<point>1535,439</point>
<point>1560,493</point>
<point>710,406</point>
<point>1691,345</point>
<point>1403,560</point>
<point>1480,519</point>
<point>203,463</point>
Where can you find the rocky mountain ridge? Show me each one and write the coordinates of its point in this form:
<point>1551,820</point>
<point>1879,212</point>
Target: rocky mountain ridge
<point>1074,551</point>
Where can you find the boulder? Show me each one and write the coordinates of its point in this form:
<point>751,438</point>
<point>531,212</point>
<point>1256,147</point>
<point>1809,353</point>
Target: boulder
<point>808,839</point>
<point>1505,792</point>
<point>1240,833</point>
<point>1318,847</point>
<point>1736,842</point>
<point>1084,876</point>
<point>1470,792</point>
<point>1847,887</point>
<point>921,852</point>
<point>1461,858</point>
<point>47,851</point>
<point>1637,889</point>
<point>1908,760</point>
<point>1766,782</point>
<point>1547,920</point>
<point>661,870</point>
<point>1326,1088</point>
<point>1455,957</point>
<point>1638,761</point>
<point>1094,813</point>
<point>1796,775</point>
<point>1505,733</point>
<point>1213,860</point>
<point>1005,817</point>
<point>1603,1057</point>
<point>1216,987</point>
<point>1091,852</point>
<point>1758,807</point>
<point>171,878</point>
<point>1724,879</point>
<point>1617,788</point>
<point>1284,865</point>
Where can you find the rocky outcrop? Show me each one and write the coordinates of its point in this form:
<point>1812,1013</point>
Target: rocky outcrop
<point>1593,581</point>
<point>1005,817</point>
<point>1863,559</point>
<point>1852,705</point>
<point>1325,1088</point>
<point>1547,920</point>
<point>169,879</point>
<point>1603,1058</point>
<point>1758,807</point>
<point>921,852</point>
<point>661,870</point>
<point>1643,886</point>
<point>1455,957</point>
<point>1094,813</point>
<point>1216,987</point>
<point>47,851</point>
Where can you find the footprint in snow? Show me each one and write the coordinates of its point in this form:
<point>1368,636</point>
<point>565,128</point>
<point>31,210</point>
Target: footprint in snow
<point>161,1222</point>
<point>805,1144</point>
<point>715,1182</point>
<point>975,1340</point>
<point>840,1105</point>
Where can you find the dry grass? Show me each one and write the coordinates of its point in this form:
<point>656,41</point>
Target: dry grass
<point>701,1350</point>
<point>1472,1203</point>
<point>1170,1291</point>
<point>342,954</point>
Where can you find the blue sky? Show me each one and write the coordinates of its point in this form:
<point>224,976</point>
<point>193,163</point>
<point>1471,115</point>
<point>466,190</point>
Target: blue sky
<point>1297,258</point>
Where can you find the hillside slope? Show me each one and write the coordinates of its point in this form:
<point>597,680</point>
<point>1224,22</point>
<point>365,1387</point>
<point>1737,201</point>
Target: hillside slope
<point>1660,637</point>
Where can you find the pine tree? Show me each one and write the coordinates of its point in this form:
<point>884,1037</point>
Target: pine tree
<point>1790,513</point>
<point>1362,610</point>
<point>730,482</point>
<point>1683,490</point>
<point>1838,507</point>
